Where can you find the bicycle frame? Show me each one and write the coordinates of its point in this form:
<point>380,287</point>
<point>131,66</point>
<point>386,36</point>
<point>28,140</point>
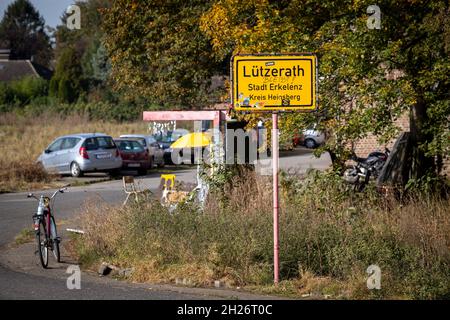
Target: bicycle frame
<point>45,210</point>
<point>47,237</point>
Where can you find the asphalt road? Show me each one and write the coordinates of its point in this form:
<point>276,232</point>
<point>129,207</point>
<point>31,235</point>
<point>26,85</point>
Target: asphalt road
<point>22,278</point>
<point>16,209</point>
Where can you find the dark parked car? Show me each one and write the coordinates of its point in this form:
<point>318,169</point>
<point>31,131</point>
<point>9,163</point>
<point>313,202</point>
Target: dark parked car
<point>153,148</point>
<point>133,154</point>
<point>165,140</point>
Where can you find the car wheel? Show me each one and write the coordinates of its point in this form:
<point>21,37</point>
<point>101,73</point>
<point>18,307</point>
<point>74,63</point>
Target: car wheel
<point>310,143</point>
<point>75,170</point>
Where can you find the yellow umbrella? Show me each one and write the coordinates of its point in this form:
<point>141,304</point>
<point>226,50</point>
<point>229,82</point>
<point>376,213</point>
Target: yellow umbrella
<point>192,140</point>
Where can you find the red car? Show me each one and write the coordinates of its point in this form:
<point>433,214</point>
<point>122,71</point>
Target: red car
<point>133,154</point>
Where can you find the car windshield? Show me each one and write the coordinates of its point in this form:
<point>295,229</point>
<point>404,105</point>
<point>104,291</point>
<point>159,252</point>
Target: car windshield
<point>130,146</point>
<point>99,142</point>
<point>141,140</point>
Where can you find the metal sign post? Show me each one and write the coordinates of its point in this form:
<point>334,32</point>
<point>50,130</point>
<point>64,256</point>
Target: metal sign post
<point>276,244</point>
<point>274,83</point>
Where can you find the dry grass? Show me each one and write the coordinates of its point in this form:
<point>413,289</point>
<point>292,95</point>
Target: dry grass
<point>328,239</point>
<point>22,139</point>
<point>15,175</point>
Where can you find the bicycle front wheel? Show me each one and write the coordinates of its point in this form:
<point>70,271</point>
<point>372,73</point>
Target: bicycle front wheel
<point>55,240</point>
<point>41,239</point>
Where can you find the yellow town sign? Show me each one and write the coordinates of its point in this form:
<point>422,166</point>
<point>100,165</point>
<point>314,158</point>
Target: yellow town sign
<point>274,82</point>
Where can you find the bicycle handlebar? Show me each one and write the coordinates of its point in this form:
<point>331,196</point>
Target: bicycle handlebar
<point>31,195</point>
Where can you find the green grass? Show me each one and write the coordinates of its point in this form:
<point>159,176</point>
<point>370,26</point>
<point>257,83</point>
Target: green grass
<point>25,236</point>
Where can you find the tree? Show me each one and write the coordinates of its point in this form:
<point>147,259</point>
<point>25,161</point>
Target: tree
<point>368,77</point>
<point>66,81</point>
<point>157,50</point>
<point>22,29</point>
<point>81,62</point>
<point>65,90</point>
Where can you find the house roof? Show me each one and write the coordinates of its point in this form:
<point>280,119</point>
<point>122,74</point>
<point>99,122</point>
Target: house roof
<point>16,69</point>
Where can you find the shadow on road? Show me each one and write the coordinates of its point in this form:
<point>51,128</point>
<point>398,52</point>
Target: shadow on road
<point>298,151</point>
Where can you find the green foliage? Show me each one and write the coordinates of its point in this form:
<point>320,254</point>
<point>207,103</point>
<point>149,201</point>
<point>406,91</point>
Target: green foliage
<point>53,87</point>
<point>21,92</point>
<point>22,30</point>
<point>158,50</point>
<point>367,78</point>
<point>66,81</point>
<point>116,110</point>
<point>80,57</point>
<point>97,65</point>
<point>65,90</point>
<point>6,95</point>
<point>28,88</point>
<point>429,184</point>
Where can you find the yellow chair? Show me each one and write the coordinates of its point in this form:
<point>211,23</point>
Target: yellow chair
<point>166,178</point>
<point>171,197</point>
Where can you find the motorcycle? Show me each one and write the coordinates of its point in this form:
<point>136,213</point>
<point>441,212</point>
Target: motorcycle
<point>359,175</point>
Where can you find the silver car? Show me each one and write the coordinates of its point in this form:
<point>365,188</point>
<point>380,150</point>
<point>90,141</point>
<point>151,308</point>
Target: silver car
<point>313,138</point>
<point>79,153</point>
<point>155,152</point>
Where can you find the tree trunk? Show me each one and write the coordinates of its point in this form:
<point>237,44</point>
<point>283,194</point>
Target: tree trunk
<point>337,162</point>
<point>421,164</point>
<point>395,172</point>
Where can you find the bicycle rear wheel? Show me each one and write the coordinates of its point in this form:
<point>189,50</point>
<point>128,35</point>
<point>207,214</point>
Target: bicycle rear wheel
<point>55,240</point>
<point>41,239</point>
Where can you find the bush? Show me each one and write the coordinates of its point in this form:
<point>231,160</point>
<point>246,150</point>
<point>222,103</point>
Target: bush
<point>17,175</point>
<point>6,94</point>
<point>324,232</point>
<point>27,88</point>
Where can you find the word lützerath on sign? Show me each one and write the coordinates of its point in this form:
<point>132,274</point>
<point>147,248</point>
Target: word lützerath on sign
<point>259,71</point>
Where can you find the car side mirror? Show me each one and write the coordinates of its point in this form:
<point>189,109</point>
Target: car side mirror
<point>47,151</point>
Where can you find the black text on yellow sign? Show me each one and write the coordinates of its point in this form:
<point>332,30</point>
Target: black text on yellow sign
<point>274,82</point>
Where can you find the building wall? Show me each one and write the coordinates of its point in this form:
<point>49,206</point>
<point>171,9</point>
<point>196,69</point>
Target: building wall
<point>365,146</point>
<point>369,144</point>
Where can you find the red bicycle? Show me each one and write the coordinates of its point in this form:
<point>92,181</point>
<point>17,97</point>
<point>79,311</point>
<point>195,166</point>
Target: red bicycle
<point>45,228</point>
